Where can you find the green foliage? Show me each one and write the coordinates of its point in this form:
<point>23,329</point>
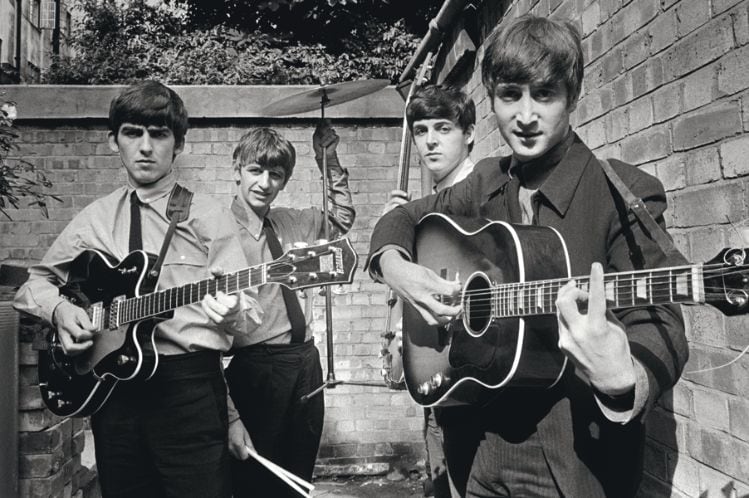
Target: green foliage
<point>17,177</point>
<point>121,44</point>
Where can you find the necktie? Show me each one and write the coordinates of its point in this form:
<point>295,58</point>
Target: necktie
<point>293,310</point>
<point>136,239</point>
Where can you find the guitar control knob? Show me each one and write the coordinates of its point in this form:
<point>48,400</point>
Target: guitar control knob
<point>54,394</point>
<point>62,404</point>
<point>439,379</point>
<point>425,388</point>
<point>124,359</point>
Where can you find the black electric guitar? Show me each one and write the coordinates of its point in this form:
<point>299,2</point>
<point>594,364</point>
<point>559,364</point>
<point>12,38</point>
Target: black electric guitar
<point>124,316</point>
<point>507,333</point>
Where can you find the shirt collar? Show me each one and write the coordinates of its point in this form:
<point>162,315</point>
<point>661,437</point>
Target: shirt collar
<point>154,191</point>
<point>545,164</point>
<point>560,186</point>
<point>246,217</point>
<point>457,174</point>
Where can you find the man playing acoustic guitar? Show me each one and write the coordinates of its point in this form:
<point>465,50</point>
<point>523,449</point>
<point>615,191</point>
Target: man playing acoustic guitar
<point>584,435</point>
<point>166,436</point>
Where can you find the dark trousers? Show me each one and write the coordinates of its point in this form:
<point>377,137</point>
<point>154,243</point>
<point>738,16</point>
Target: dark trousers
<point>495,451</point>
<point>166,437</point>
<point>266,383</point>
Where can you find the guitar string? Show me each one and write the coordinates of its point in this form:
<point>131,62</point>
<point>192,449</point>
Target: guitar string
<point>131,307</point>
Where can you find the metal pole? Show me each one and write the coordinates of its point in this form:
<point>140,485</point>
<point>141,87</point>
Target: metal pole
<point>326,224</point>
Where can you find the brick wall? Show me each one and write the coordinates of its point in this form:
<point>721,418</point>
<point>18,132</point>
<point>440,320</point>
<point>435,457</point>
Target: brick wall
<point>667,89</point>
<point>62,131</point>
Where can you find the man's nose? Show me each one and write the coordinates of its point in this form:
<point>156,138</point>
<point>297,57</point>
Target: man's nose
<point>431,137</point>
<point>264,179</point>
<point>145,144</point>
<point>526,112</point>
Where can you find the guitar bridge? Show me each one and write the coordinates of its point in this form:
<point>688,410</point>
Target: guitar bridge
<point>114,312</point>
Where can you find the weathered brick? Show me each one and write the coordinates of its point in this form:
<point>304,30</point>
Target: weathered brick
<point>720,6</point>
<point>712,123</point>
<point>739,421</point>
<point>667,102</point>
<point>707,205</point>
<point>699,88</point>
<point>590,18</point>
<point>685,474</point>
<point>733,155</point>
<point>671,172</point>
<point>646,146</point>
<point>711,409</point>
<point>640,114</point>
<point>636,48</point>
<point>690,16</point>
<point>729,378</point>
<point>662,32</point>
<point>733,72</point>
<point>699,48</point>
<point>702,166</point>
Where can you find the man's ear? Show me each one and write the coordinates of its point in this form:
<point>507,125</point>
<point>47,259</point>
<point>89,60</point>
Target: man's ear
<point>237,175</point>
<point>470,134</point>
<point>179,148</point>
<point>571,106</point>
<point>113,145</point>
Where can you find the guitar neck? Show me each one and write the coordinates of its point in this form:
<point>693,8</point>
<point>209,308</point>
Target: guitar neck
<point>681,284</point>
<point>156,303</point>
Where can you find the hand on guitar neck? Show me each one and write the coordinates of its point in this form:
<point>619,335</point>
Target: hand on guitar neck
<point>419,285</point>
<point>594,341</point>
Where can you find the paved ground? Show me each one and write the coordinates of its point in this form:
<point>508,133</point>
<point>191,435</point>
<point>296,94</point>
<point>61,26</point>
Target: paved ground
<point>367,487</point>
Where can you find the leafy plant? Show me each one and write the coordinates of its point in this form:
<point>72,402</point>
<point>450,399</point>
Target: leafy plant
<point>121,43</point>
<point>18,178</point>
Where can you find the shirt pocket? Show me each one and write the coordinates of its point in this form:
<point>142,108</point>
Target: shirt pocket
<point>183,265</point>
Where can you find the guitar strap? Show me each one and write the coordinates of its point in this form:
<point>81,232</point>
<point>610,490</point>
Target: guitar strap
<point>177,210</point>
<point>637,206</point>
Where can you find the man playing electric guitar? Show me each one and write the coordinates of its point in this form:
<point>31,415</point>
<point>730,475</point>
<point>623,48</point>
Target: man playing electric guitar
<point>584,436</point>
<point>166,436</point>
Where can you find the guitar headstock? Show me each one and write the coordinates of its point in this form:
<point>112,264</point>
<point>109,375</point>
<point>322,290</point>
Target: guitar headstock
<point>726,280</point>
<point>313,266</point>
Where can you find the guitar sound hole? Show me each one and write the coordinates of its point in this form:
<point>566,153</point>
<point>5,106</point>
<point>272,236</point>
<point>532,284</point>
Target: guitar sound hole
<point>477,303</point>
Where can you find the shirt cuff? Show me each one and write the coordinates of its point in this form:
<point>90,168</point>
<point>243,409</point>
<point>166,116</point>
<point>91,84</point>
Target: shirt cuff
<point>625,408</point>
<point>374,261</point>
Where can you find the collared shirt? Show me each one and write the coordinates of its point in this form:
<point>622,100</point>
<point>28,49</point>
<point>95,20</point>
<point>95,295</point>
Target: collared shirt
<point>206,239</point>
<point>291,226</point>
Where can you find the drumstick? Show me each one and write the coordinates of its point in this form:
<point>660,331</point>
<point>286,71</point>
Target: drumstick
<point>294,481</point>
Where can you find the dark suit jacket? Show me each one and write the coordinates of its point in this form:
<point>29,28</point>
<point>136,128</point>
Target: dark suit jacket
<point>588,455</point>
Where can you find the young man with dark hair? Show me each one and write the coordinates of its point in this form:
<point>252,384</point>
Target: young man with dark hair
<point>277,363</point>
<point>584,436</point>
<point>166,436</point>
<point>442,122</point>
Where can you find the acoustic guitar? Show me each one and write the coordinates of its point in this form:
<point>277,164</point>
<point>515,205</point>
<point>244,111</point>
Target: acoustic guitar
<point>124,315</point>
<point>506,334</point>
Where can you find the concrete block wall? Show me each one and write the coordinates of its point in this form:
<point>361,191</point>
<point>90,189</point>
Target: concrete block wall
<point>667,89</point>
<point>367,429</point>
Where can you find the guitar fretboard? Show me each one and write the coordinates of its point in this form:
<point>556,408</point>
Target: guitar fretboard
<point>683,284</point>
<point>156,303</point>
